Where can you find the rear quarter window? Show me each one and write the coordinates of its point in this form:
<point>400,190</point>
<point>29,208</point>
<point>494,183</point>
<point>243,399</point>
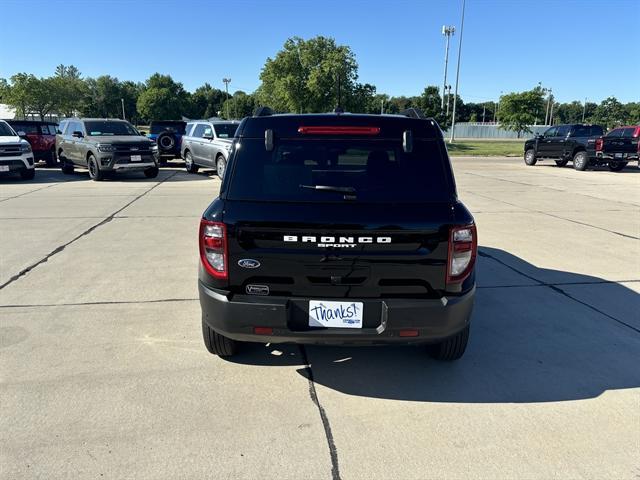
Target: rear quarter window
<point>377,171</point>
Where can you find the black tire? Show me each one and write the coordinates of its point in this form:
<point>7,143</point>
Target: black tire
<point>51,160</point>
<point>65,165</point>
<point>562,163</point>
<point>581,161</point>
<point>218,344</point>
<point>617,166</point>
<point>28,173</point>
<point>452,348</point>
<point>188,163</point>
<point>94,170</point>
<point>221,165</point>
<point>151,172</point>
<point>166,142</point>
<point>530,157</point>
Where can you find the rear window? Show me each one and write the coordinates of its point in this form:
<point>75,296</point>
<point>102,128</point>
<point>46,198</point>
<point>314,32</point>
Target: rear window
<point>628,132</point>
<point>596,130</point>
<point>225,130</point>
<point>338,171</point>
<point>176,127</point>
<point>583,131</point>
<point>25,127</point>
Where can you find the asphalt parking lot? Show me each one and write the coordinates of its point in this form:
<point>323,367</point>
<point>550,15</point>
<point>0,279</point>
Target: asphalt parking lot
<point>104,375</point>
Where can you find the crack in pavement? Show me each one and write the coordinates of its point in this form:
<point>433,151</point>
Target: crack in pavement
<point>104,302</point>
<point>333,452</point>
<point>558,217</point>
<point>33,191</point>
<point>60,248</point>
<point>557,289</point>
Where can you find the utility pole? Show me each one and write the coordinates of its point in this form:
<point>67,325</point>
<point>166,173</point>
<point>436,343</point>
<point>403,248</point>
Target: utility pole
<point>546,116</point>
<point>123,115</point>
<point>447,31</point>
<point>584,109</point>
<point>455,95</point>
<point>382,107</point>
<point>448,95</point>
<point>484,105</point>
<point>227,81</point>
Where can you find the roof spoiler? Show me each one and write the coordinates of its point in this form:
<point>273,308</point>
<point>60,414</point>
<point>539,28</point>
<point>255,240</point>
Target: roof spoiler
<point>413,113</point>
<point>263,112</point>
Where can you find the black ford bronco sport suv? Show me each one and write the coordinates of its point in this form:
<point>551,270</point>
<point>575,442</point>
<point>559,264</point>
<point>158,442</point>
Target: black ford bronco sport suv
<point>337,229</point>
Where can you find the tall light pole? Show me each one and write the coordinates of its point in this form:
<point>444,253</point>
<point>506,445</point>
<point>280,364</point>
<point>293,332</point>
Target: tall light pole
<point>584,109</point>
<point>448,95</point>
<point>227,81</point>
<point>123,116</point>
<point>547,120</point>
<point>447,32</point>
<point>455,95</point>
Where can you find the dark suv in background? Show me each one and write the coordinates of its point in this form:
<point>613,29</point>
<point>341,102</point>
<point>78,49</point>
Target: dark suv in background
<point>105,146</point>
<point>41,136</point>
<point>168,136</point>
<point>338,229</point>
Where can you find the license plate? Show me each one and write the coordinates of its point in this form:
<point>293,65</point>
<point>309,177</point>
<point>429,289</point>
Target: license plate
<point>136,158</point>
<point>618,155</point>
<point>324,313</point>
<point>4,168</point>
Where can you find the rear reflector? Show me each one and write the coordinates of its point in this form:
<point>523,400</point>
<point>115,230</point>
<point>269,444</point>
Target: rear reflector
<point>463,247</point>
<point>327,130</point>
<point>213,248</point>
<point>408,333</point>
<point>263,330</point>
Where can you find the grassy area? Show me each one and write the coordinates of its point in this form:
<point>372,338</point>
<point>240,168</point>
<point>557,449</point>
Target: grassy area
<point>479,148</point>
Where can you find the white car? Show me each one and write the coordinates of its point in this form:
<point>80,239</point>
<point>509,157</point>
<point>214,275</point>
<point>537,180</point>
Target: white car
<point>15,153</point>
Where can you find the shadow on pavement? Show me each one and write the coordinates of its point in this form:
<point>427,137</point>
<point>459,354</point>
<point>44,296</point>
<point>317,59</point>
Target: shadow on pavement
<point>528,344</point>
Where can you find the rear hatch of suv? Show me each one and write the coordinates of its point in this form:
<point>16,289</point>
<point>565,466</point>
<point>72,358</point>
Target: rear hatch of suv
<point>339,207</point>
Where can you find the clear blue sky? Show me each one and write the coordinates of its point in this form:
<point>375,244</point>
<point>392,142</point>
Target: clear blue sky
<point>508,45</point>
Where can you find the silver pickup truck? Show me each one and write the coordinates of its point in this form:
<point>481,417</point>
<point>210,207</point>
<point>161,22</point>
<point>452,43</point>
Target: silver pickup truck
<point>207,144</point>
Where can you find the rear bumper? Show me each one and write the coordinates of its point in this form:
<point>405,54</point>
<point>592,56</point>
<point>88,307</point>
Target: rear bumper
<point>611,157</point>
<point>236,316</point>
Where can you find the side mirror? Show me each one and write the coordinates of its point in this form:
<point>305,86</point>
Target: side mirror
<point>22,134</point>
<point>208,137</point>
<point>143,133</point>
<point>77,134</point>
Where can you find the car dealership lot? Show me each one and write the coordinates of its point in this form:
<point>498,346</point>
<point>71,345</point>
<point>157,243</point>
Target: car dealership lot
<point>103,370</point>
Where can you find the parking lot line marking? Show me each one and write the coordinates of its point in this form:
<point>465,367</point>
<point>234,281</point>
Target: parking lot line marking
<point>60,248</point>
<point>557,289</point>
<point>562,218</point>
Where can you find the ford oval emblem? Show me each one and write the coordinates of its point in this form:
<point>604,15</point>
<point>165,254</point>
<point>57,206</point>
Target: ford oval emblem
<point>249,263</point>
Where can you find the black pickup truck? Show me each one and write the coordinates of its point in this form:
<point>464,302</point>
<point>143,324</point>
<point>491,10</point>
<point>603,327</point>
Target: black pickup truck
<point>619,147</point>
<point>337,229</point>
<point>563,143</point>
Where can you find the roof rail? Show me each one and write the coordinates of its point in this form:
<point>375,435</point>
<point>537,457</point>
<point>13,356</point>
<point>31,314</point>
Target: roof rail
<point>263,112</point>
<point>413,113</point>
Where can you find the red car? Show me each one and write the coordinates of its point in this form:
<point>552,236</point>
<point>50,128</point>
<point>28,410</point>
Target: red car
<point>41,136</point>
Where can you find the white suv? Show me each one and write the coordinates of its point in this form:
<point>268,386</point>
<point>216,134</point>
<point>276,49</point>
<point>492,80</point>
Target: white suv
<point>15,153</point>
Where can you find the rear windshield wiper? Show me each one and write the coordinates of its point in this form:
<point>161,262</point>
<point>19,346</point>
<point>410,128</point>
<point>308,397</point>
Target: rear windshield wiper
<point>330,188</point>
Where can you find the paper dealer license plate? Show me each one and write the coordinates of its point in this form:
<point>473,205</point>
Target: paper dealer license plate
<point>136,158</point>
<point>324,313</point>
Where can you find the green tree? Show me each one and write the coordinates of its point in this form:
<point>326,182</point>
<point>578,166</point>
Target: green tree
<point>430,102</point>
<point>206,102</point>
<point>519,110</point>
<point>609,113</point>
<point>239,106</point>
<point>632,110</point>
<point>163,99</point>
<point>69,89</point>
<point>303,75</point>
<point>103,98</point>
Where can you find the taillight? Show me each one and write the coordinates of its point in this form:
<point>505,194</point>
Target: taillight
<point>463,247</point>
<point>213,248</point>
<point>599,143</point>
